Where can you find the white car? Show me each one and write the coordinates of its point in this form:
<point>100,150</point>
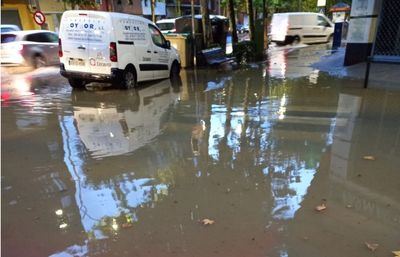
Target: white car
<point>302,27</point>
<point>113,47</point>
<point>9,27</point>
<point>34,48</point>
<point>166,26</point>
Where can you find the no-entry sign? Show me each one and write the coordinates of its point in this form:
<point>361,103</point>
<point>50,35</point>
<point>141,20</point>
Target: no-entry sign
<point>39,18</point>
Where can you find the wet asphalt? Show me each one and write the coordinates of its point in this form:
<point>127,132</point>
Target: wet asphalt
<point>222,162</point>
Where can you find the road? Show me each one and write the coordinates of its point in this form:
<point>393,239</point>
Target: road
<point>220,163</point>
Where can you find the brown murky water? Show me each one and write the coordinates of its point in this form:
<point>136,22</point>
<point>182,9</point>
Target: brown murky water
<point>133,173</point>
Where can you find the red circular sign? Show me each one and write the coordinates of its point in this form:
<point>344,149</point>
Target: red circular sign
<point>39,18</point>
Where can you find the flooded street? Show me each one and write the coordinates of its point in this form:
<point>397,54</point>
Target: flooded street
<point>220,163</point>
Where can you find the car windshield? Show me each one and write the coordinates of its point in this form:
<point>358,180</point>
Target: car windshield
<point>6,38</point>
<point>165,26</point>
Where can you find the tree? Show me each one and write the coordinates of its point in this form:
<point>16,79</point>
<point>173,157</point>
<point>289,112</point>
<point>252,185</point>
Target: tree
<point>250,12</point>
<point>232,20</point>
<point>206,25</point>
<point>153,7</point>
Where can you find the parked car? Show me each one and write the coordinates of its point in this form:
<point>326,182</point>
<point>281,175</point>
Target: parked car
<point>113,47</point>
<point>242,28</point>
<point>166,26</point>
<point>34,48</point>
<point>302,27</point>
<point>9,27</point>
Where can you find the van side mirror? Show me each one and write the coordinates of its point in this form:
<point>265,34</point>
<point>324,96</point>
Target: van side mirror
<point>168,44</point>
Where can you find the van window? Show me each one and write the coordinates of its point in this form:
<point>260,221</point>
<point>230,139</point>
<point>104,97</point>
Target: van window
<point>322,21</point>
<point>156,36</point>
<point>7,38</point>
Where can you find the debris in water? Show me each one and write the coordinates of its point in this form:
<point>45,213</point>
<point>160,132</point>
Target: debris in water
<point>321,207</point>
<point>369,158</point>
<point>127,225</point>
<point>206,222</point>
<point>372,246</point>
<point>396,253</point>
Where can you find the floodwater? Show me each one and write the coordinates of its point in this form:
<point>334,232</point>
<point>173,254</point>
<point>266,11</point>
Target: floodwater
<point>107,172</point>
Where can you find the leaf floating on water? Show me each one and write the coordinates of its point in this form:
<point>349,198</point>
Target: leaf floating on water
<point>372,246</point>
<point>127,225</point>
<point>369,158</point>
<point>206,222</point>
<point>321,207</point>
<point>396,253</point>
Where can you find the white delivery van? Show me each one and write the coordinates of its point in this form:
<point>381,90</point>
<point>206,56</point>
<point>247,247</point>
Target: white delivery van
<point>302,27</point>
<point>113,47</point>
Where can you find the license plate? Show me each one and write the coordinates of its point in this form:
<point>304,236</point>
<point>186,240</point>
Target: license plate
<point>76,62</point>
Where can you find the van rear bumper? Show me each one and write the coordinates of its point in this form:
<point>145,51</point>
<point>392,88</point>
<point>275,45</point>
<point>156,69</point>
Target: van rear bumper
<point>89,77</point>
<point>287,40</point>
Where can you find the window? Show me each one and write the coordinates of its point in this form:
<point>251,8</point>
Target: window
<point>156,36</point>
<point>42,38</point>
<point>6,38</point>
<point>322,22</point>
<point>52,38</point>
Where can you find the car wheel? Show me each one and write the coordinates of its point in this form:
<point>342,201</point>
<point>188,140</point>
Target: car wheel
<point>330,39</point>
<point>128,78</point>
<point>38,61</point>
<point>77,83</point>
<point>296,40</point>
<point>175,70</point>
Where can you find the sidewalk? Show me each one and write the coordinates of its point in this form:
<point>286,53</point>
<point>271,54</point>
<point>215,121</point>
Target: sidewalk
<point>381,75</point>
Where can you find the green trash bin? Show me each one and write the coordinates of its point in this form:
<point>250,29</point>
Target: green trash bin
<point>182,43</point>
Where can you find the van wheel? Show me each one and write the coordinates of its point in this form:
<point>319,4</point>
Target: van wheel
<point>128,78</point>
<point>175,70</point>
<point>296,40</point>
<point>77,83</point>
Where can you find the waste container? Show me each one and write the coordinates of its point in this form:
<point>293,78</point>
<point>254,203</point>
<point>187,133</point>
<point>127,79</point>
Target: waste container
<point>182,43</point>
<point>337,35</point>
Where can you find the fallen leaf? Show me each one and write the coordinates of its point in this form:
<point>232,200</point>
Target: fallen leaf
<point>320,207</point>
<point>127,225</point>
<point>372,246</point>
<point>369,158</point>
<point>206,222</point>
<point>396,253</point>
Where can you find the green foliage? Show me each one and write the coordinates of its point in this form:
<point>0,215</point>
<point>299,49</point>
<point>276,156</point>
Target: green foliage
<point>284,5</point>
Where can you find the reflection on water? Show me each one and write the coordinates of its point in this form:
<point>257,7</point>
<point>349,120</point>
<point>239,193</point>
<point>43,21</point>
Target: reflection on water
<point>131,173</point>
<point>108,130</point>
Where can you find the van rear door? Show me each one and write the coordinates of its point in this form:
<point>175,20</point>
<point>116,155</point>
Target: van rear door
<point>74,41</point>
<point>279,27</point>
<point>100,34</point>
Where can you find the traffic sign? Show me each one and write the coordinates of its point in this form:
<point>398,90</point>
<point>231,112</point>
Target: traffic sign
<point>39,18</point>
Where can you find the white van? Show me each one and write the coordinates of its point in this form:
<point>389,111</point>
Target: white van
<point>113,47</point>
<point>302,27</point>
<point>167,25</point>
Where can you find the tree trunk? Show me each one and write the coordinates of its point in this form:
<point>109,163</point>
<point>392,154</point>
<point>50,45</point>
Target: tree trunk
<point>251,20</point>
<point>206,25</point>
<point>232,21</point>
<point>153,13</point>
<point>265,16</point>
